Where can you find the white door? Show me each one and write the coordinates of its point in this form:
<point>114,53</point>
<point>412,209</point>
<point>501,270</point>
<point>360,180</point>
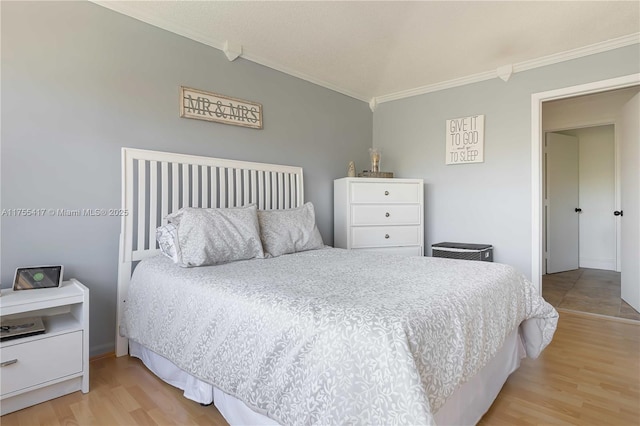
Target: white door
<point>562,209</point>
<point>630,202</point>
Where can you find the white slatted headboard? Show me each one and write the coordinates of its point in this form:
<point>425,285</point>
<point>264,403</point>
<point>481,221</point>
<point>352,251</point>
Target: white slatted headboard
<point>155,184</point>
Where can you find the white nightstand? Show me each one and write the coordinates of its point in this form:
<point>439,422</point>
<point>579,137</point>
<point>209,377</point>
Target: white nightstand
<point>383,215</point>
<point>38,368</point>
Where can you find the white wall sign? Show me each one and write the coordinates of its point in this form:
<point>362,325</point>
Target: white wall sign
<point>208,106</point>
<point>465,140</point>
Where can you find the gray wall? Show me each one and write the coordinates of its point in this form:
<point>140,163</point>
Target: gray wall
<point>486,202</point>
<point>79,82</point>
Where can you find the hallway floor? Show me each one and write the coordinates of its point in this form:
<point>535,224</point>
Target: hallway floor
<point>594,291</point>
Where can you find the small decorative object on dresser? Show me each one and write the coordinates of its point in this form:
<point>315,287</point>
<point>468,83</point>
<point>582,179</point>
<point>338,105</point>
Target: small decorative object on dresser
<point>40,367</point>
<point>384,215</point>
<point>351,170</point>
<point>375,154</point>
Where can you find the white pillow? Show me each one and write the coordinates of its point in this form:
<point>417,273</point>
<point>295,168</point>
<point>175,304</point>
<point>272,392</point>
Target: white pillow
<point>289,231</point>
<point>213,236</point>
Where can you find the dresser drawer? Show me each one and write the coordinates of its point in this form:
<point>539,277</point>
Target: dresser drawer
<point>379,192</point>
<point>383,236</point>
<point>364,214</point>
<point>41,361</point>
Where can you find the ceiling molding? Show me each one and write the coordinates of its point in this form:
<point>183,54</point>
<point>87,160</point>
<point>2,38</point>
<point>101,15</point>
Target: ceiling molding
<point>504,72</point>
<point>519,67</point>
<point>129,9</point>
<point>232,50</point>
<point>278,67</point>
<point>488,75</point>
<point>373,104</point>
<point>580,52</point>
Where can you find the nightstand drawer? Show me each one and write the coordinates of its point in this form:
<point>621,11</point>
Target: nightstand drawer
<point>398,251</point>
<point>40,361</point>
<point>363,214</point>
<point>364,192</point>
<point>384,236</point>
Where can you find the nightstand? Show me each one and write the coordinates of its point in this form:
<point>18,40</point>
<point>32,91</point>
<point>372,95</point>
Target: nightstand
<point>41,367</point>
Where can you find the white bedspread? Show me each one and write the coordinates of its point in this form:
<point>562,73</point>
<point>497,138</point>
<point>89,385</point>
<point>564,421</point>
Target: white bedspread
<point>333,336</point>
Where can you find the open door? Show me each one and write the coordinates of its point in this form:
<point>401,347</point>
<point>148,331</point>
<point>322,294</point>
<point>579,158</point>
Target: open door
<point>562,209</point>
<point>628,214</point>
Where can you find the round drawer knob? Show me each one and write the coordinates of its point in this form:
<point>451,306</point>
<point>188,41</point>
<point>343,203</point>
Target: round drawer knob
<point>387,214</point>
<point>386,236</point>
<point>386,192</point>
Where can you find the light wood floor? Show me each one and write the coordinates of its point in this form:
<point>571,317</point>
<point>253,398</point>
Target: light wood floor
<point>589,375</point>
<point>587,290</point>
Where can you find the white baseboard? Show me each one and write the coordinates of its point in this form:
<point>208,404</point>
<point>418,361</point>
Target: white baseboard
<point>607,264</point>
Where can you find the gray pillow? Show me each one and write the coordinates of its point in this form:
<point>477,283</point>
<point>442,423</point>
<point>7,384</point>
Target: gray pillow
<point>214,236</point>
<point>289,231</point>
<point>167,236</point>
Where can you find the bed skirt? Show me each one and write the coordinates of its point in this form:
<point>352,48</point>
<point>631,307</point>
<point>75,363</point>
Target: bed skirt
<point>466,406</point>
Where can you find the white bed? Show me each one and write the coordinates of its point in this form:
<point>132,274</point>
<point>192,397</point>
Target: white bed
<point>434,395</point>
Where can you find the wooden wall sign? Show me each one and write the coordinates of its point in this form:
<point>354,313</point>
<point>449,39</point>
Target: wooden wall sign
<point>208,106</point>
<point>465,140</point>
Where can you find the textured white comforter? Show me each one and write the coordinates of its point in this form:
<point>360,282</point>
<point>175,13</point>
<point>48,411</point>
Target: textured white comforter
<point>333,336</point>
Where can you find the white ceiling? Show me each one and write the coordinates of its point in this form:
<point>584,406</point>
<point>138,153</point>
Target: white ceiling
<point>386,50</point>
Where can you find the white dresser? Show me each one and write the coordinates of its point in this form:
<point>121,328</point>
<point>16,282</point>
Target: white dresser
<point>385,215</point>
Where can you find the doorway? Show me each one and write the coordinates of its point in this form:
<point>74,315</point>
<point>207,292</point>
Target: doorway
<point>594,291</point>
<point>580,232</point>
<point>585,93</point>
<point>579,199</point>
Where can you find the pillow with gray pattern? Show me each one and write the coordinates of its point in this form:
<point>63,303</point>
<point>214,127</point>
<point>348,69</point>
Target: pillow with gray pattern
<point>214,236</point>
<point>289,231</point>
<point>167,236</point>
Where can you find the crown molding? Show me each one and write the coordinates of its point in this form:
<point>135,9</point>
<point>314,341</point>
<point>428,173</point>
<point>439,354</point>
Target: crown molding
<point>568,55</point>
<point>129,9</point>
<point>580,52</point>
<point>278,67</point>
<point>488,75</point>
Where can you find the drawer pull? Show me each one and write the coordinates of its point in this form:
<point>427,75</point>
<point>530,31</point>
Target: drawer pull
<point>386,236</point>
<point>386,192</point>
<point>11,361</point>
<point>387,214</point>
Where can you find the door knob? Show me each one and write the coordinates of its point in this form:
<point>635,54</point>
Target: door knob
<point>578,210</point>
<point>618,213</point>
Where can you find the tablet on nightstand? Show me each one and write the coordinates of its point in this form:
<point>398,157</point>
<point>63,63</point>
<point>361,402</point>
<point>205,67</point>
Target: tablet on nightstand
<point>35,277</point>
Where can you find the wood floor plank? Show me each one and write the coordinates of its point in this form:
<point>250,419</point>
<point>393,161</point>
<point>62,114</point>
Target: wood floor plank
<point>593,365</point>
<point>589,375</point>
<point>142,418</point>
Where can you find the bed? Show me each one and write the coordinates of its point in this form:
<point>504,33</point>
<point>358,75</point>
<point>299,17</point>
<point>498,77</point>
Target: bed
<point>323,336</point>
